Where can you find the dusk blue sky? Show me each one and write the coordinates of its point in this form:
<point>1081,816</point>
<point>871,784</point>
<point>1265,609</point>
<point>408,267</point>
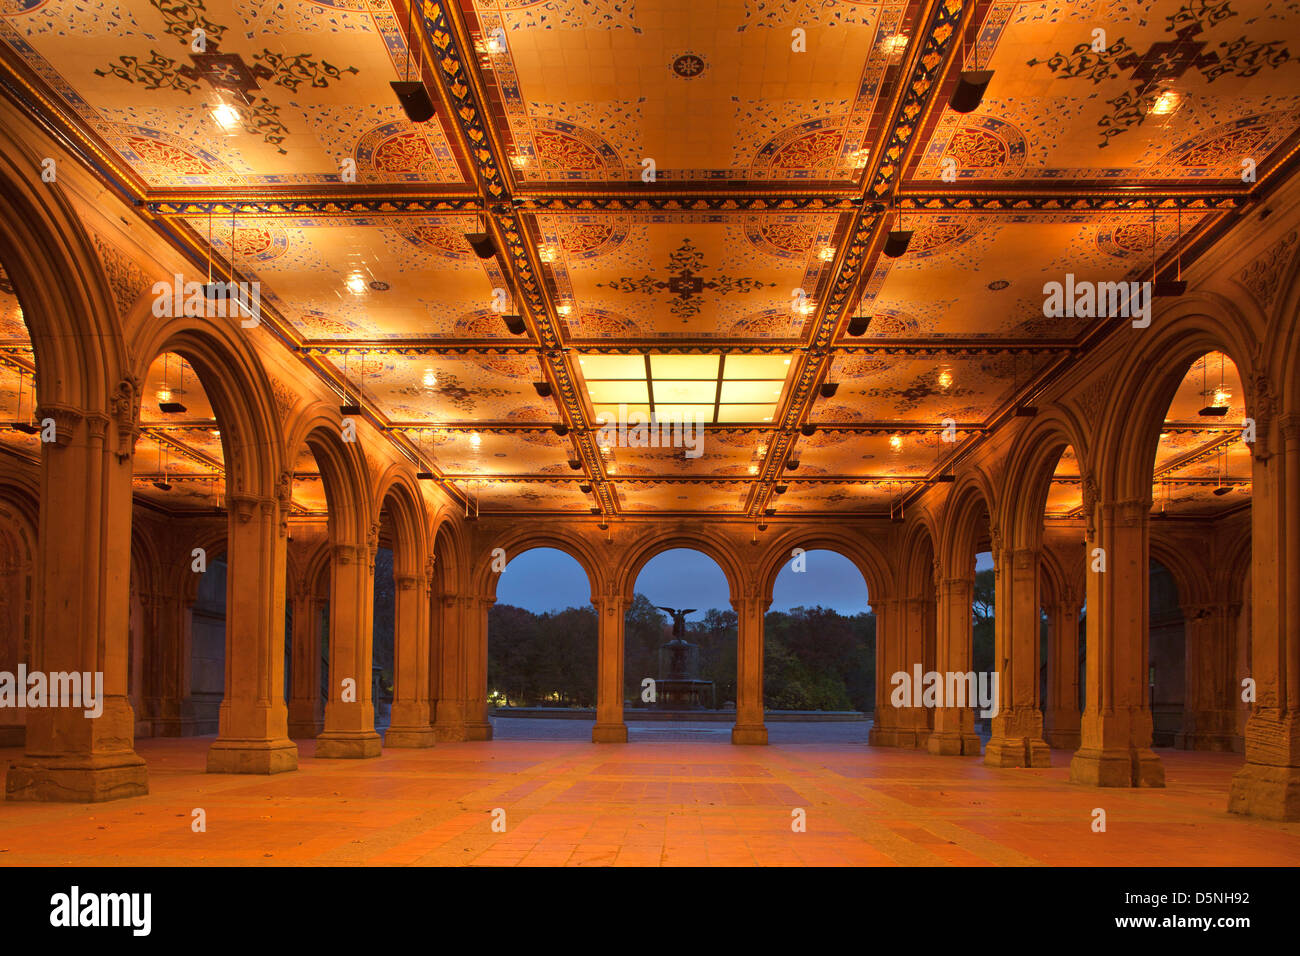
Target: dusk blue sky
<point>545,579</point>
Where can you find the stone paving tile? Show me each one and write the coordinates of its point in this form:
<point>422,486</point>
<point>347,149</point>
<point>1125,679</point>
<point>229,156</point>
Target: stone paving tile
<point>569,802</point>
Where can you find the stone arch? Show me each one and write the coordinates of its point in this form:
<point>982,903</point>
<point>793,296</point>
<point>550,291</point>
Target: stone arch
<point>1030,465</point>
<point>864,554</point>
<point>1194,586</point>
<point>239,391</point>
<point>484,580</point>
<point>970,493</point>
<point>716,547</point>
<point>343,470</point>
<point>67,304</point>
<point>397,485</point>
<point>1148,379</point>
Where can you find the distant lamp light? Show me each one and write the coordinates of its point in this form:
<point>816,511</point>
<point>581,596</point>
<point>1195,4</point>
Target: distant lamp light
<point>356,283</point>
<point>415,100</point>
<point>896,442</point>
<point>430,378</point>
<point>226,116</point>
<point>546,253</point>
<point>753,469</point>
<point>945,379</point>
<point>1165,103</point>
<point>969,93</point>
<point>894,45</point>
<point>826,254</point>
<point>475,439</point>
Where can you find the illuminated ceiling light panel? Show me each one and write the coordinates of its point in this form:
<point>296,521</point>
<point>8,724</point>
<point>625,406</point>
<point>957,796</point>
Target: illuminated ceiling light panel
<point>709,388</point>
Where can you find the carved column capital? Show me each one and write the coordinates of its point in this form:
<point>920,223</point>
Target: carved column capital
<point>66,421</point>
<point>406,582</point>
<point>124,405</point>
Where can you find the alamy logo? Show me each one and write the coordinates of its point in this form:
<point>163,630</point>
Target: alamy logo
<point>75,908</point>
<point>58,689</point>
<point>947,689</point>
<point>242,300</point>
<point>1098,300</point>
<point>635,430</point>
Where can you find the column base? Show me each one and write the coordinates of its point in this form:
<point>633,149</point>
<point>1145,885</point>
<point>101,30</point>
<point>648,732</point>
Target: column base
<point>1062,739</point>
<point>1272,793</point>
<point>348,745</point>
<point>478,730</point>
<point>450,733</point>
<point>904,739</point>
<point>252,756</point>
<point>749,734</point>
<point>1017,752</point>
<point>953,744</point>
<point>609,733</point>
<point>409,737</point>
<point>78,778</point>
<point>307,729</point>
<point>1127,767</point>
<point>1209,742</point>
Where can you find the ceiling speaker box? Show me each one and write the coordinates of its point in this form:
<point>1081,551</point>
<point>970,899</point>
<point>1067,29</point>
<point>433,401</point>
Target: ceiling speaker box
<point>171,408</point>
<point>858,325</point>
<point>350,409</point>
<point>1026,411</point>
<point>414,99</point>
<point>946,478</point>
<point>27,428</point>
<point>482,244</point>
<point>1214,411</point>
<point>424,475</point>
<point>1169,288</point>
<point>969,93</point>
<point>896,242</point>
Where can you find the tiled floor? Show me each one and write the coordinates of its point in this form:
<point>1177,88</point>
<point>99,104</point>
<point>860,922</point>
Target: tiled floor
<point>646,803</point>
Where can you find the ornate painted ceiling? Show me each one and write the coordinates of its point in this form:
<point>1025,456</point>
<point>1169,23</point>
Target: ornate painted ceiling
<point>673,179</point>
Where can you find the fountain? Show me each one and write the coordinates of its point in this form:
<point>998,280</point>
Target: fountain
<point>679,686</point>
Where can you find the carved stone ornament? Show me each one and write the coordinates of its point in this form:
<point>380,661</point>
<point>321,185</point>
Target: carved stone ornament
<point>125,407</point>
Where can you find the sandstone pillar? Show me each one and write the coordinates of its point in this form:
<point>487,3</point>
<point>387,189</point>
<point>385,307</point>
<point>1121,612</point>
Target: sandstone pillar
<point>449,709</point>
<point>1211,685</point>
<point>349,709</point>
<point>1017,738</point>
<point>306,711</point>
<point>954,727</point>
<point>82,619</point>
<point>749,728</point>
<point>410,723</point>
<point>610,611</point>
<point>1062,716</point>
<point>477,725</point>
<point>253,723</point>
<point>167,664</point>
<point>1115,730</point>
<point>1269,784</point>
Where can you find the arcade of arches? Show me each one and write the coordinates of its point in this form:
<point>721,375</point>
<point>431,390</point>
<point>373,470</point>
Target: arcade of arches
<point>195,506</point>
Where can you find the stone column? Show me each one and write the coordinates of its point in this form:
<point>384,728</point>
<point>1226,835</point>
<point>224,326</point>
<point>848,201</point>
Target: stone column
<point>306,712</point>
<point>610,611</point>
<point>477,725</point>
<point>349,709</point>
<point>83,582</point>
<point>167,664</point>
<point>410,724</point>
<point>1269,784</point>
<point>1062,716</point>
<point>890,624</point>
<point>1211,686</point>
<point>749,728</point>
<point>1115,730</point>
<point>954,727</point>
<point>253,723</point>
<point>1017,737</point>
<point>449,712</point>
